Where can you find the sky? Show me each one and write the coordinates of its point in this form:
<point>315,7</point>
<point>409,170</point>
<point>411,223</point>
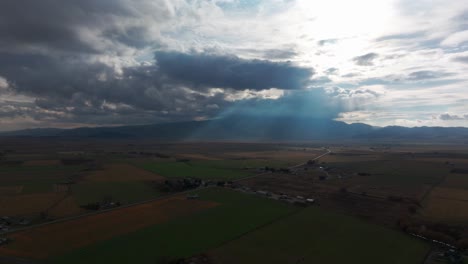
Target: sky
<point>67,63</point>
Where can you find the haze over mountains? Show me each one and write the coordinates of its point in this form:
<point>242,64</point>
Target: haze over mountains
<point>249,128</point>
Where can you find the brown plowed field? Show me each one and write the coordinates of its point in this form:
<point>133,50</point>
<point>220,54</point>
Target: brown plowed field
<point>54,239</point>
<point>447,204</point>
<point>122,172</point>
<point>65,208</point>
<point>9,190</point>
<point>27,204</point>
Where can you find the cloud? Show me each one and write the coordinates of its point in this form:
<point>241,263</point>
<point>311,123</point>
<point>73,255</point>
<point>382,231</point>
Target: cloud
<point>456,39</point>
<point>324,42</point>
<point>207,70</point>
<point>426,75</point>
<point>76,90</point>
<point>401,36</point>
<point>447,116</point>
<point>3,83</point>
<point>79,26</point>
<point>462,59</point>
<point>366,59</point>
<point>270,54</point>
<point>93,62</point>
<point>332,71</point>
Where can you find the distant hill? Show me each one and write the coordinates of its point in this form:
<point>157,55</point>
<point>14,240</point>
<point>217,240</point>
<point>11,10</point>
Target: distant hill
<point>252,128</point>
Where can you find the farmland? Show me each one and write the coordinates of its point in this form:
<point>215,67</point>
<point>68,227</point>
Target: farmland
<point>121,202</point>
<point>58,238</point>
<point>212,169</point>
<point>316,236</point>
<point>218,217</point>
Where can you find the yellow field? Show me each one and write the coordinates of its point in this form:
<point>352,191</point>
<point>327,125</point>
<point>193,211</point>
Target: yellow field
<point>448,204</point>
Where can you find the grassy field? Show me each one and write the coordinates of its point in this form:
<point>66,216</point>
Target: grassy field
<point>200,170</point>
<point>124,192</point>
<point>403,173</point>
<point>315,236</point>
<point>212,169</point>
<point>182,237</point>
<point>35,179</point>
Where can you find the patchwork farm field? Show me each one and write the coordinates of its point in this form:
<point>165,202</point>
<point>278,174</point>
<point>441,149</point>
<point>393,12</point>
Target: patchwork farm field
<point>231,227</point>
<point>212,169</point>
<point>234,215</point>
<point>367,199</point>
<point>59,238</point>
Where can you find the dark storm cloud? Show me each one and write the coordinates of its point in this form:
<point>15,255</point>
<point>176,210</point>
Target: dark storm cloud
<point>84,26</point>
<point>69,59</point>
<point>366,59</point>
<point>205,70</point>
<point>73,89</point>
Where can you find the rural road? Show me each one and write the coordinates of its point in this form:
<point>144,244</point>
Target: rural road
<point>143,202</point>
<point>316,158</point>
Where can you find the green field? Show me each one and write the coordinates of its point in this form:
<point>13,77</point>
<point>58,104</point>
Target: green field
<point>124,192</point>
<point>250,229</point>
<point>403,173</point>
<point>315,236</point>
<point>36,179</point>
<point>211,169</point>
<point>193,169</point>
<point>238,214</point>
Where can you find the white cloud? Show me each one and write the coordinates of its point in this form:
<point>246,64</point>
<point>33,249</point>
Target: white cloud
<point>270,94</point>
<point>3,83</point>
<point>456,39</point>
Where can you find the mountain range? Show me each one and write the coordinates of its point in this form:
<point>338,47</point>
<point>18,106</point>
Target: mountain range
<point>250,128</point>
